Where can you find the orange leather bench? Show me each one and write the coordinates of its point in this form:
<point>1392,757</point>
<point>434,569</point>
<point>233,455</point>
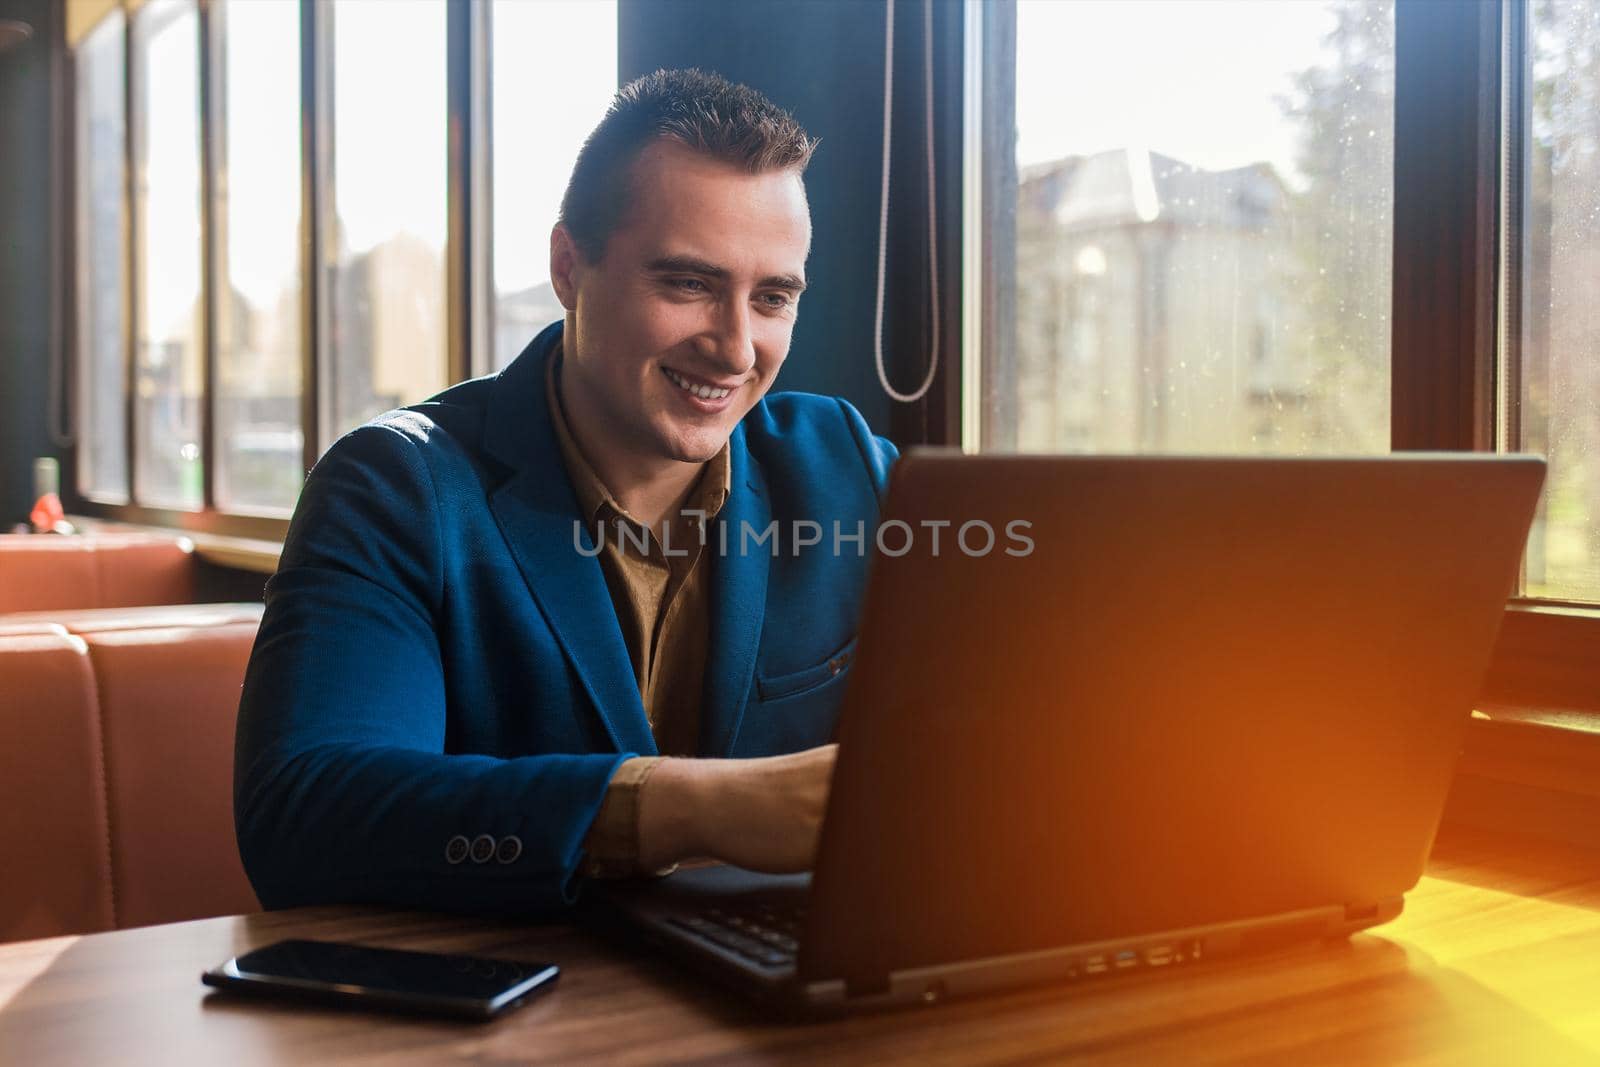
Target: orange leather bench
<point>104,570</point>
<point>116,766</point>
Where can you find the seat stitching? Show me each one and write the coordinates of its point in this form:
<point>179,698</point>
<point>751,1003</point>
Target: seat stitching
<point>105,786</point>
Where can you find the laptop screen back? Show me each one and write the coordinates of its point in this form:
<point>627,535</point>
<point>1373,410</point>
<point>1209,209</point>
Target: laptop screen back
<point>1186,691</point>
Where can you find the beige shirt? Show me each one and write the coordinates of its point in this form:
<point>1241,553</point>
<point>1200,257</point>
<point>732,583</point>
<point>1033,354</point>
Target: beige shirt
<point>660,589</point>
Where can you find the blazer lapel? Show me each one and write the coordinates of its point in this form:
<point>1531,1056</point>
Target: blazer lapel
<point>538,514</point>
<point>738,601</point>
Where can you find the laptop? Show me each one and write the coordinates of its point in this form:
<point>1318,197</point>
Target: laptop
<point>1214,708</point>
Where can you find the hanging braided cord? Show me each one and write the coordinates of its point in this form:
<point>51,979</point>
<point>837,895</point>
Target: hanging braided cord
<point>883,204</point>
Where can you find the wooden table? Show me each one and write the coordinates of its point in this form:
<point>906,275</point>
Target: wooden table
<point>1495,961</point>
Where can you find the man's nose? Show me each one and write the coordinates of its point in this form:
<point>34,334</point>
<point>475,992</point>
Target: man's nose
<point>731,344</point>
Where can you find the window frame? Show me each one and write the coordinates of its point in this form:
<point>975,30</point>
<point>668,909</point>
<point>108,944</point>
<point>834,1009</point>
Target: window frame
<point>1450,322</point>
<point>468,290</point>
<point>1453,163</point>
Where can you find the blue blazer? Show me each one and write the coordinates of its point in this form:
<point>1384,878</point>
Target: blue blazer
<point>438,660</point>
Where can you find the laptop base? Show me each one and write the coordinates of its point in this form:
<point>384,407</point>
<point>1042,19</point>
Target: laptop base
<point>674,915</point>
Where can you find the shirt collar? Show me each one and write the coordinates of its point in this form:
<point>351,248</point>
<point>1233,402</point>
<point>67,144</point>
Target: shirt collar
<point>710,491</point>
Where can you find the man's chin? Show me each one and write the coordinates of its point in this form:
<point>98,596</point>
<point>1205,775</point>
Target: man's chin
<point>699,454</point>
<point>698,447</point>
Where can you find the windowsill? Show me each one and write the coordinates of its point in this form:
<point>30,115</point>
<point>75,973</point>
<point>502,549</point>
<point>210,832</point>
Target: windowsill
<point>1530,771</point>
<point>1549,748</point>
<point>240,553</point>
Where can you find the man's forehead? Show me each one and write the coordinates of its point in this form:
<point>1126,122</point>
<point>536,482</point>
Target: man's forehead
<point>668,164</point>
<point>688,206</point>
<point>668,157</point>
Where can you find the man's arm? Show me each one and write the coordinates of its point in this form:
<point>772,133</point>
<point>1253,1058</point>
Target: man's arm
<point>763,813</point>
<point>343,792</point>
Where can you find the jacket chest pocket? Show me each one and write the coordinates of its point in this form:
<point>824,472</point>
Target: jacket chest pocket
<point>777,687</point>
<point>796,710</point>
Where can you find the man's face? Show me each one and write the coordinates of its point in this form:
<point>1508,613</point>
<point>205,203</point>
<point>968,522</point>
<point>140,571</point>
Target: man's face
<point>684,322</point>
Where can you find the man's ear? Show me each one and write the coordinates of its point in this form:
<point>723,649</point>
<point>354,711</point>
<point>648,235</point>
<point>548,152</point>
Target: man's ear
<point>565,264</point>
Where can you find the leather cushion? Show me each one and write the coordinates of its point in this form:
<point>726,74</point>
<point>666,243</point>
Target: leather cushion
<point>169,697</point>
<point>56,874</point>
<point>38,573</point>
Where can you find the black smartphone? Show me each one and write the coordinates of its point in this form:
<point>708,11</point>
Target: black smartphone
<point>426,983</point>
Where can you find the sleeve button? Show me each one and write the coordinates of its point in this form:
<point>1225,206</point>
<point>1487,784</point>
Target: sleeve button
<point>455,850</point>
<point>482,848</point>
<point>510,848</point>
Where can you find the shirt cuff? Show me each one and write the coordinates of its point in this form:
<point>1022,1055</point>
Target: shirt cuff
<point>611,849</point>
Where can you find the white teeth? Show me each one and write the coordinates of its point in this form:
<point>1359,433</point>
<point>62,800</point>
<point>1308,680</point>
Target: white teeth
<point>704,392</point>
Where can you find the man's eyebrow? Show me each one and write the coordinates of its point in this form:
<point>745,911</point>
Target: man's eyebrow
<point>685,265</point>
<point>694,265</point>
<point>784,281</point>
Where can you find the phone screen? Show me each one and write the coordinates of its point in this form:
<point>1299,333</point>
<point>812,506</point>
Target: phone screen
<point>419,981</point>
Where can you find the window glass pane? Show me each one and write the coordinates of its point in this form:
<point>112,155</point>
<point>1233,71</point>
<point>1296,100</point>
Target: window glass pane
<point>542,112</point>
<point>258,318</point>
<point>168,365</point>
<point>100,157</point>
<point>387,314</point>
<point>1203,229</point>
<point>1560,381</point>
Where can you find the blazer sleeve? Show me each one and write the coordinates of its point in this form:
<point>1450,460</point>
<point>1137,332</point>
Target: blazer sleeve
<point>343,791</point>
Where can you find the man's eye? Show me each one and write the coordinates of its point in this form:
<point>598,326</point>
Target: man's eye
<point>776,301</point>
<point>690,285</point>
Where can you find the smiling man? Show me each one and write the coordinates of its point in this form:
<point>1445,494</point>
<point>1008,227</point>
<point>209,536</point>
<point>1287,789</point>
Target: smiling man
<point>546,625</point>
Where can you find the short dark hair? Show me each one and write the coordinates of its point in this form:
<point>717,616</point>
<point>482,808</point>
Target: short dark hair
<point>705,112</point>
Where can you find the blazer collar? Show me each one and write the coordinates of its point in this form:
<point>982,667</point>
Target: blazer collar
<point>538,512</point>
<point>738,599</point>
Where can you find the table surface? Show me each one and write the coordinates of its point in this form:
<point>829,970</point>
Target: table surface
<point>1496,960</point>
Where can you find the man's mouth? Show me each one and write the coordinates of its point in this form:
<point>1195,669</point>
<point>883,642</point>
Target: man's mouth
<point>704,392</point>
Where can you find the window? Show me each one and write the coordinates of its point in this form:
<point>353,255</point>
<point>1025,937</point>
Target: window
<point>528,134</point>
<point>1365,319</point>
<point>1202,229</point>
<point>167,322</point>
<point>101,258</point>
<point>1554,372</point>
<point>387,298</point>
<point>259,235</point>
<point>266,251</point>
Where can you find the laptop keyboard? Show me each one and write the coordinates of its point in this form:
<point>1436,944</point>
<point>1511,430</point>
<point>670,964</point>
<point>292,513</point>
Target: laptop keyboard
<point>766,933</point>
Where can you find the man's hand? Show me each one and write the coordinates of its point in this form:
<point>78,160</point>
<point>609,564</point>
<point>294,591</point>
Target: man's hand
<point>764,814</point>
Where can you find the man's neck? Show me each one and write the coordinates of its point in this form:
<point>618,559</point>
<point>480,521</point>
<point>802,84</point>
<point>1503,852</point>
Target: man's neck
<point>648,488</point>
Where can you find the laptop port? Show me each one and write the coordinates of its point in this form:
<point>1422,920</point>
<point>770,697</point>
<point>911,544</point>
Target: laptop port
<point>1127,958</point>
<point>1159,955</point>
<point>866,986</point>
<point>1095,965</point>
